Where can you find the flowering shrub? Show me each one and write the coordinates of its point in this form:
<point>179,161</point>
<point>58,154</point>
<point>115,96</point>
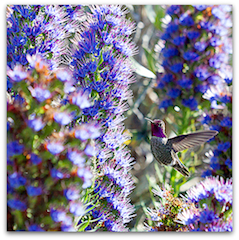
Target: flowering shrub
<point>48,156</point>
<point>206,207</point>
<point>71,127</point>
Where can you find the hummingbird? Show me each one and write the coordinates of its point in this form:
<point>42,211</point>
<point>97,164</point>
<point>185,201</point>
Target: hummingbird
<point>165,149</point>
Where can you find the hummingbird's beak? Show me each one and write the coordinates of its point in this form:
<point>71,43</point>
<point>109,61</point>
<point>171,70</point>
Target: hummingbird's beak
<point>149,119</point>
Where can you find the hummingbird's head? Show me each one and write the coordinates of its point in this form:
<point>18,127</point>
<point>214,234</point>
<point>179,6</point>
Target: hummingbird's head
<point>157,127</point>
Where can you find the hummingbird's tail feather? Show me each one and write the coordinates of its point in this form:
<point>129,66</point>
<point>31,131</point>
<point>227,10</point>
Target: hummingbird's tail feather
<point>181,168</point>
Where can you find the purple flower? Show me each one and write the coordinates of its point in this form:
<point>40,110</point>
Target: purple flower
<point>16,180</point>
<point>215,41</point>
<point>63,118</point>
<point>226,122</point>
<point>71,194</point>
<point>200,46</point>
<point>14,148</point>
<point>176,68</point>
<point>34,191</point>
<point>35,159</point>
<point>76,157</point>
<point>167,78</point>
<point>39,93</point>
<point>191,103</point>
<point>185,83</point>
<point>18,74</point>
<point>55,147</point>
<point>217,12</point>
<point>90,150</point>
<point>190,56</point>
<point>36,123</point>
<point>228,162</point>
<point>17,204</point>
<point>166,103</point>
<point>77,208</point>
<point>224,146</point>
<point>99,86</point>
<point>63,76</point>
<point>87,132</point>
<point>186,20</point>
<point>207,216</point>
<point>180,40</point>
<point>193,34</point>
<point>223,193</point>
<point>86,175</point>
<point>88,43</point>
<point>59,216</point>
<point>170,52</point>
<point>56,174</point>
<point>80,99</point>
<point>173,9</point>
<point>214,79</point>
<point>174,92</point>
<point>202,73</point>
<point>200,7</point>
<point>35,228</point>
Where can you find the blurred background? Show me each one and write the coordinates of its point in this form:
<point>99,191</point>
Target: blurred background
<point>151,22</point>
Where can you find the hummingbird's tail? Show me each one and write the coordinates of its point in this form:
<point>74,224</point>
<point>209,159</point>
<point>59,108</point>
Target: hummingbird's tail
<point>181,168</point>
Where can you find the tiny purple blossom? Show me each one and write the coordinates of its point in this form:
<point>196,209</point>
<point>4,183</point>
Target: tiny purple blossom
<point>17,204</point>
<point>63,118</point>
<point>36,123</point>
<point>71,194</point>
<point>80,99</point>
<point>18,74</point>
<point>76,157</point>
<point>55,147</point>
<point>34,191</point>
<point>39,93</point>
<point>77,208</point>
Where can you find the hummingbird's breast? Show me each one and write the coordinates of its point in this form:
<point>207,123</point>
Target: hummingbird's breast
<point>161,150</point>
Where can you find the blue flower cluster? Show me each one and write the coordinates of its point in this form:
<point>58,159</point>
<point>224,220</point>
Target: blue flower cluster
<point>100,64</point>
<point>207,207</point>
<point>197,45</point>
<point>212,211</point>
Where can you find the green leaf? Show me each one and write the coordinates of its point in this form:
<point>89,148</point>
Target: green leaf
<point>150,59</point>
<point>141,70</point>
<point>83,226</point>
<point>47,220</point>
<point>158,20</point>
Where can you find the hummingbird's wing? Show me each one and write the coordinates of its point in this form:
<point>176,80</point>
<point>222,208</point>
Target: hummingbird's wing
<point>186,141</point>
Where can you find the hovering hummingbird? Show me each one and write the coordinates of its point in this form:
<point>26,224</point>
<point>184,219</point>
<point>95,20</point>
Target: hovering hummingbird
<point>165,149</point>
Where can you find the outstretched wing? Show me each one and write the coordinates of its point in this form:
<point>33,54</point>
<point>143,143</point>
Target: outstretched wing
<point>186,141</point>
